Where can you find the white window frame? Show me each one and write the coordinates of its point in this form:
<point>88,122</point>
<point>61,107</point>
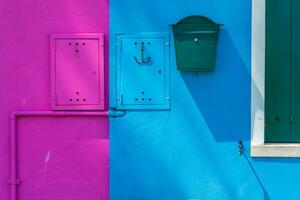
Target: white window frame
<point>258,146</point>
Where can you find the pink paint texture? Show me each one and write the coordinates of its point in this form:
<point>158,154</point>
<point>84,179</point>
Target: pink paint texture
<point>71,162</point>
<point>58,157</point>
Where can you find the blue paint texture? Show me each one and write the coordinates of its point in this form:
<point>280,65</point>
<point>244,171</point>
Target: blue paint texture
<point>191,151</point>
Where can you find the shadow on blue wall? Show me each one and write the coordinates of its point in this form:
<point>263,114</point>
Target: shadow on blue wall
<point>139,170</point>
<point>223,96</point>
<point>266,195</point>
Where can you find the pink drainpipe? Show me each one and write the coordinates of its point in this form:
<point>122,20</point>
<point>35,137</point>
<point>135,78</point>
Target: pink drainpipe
<point>14,181</point>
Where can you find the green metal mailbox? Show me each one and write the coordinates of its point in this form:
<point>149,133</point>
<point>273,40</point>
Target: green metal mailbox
<point>196,39</point>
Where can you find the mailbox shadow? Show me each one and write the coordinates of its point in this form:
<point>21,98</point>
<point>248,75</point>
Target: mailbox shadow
<point>141,170</point>
<point>223,96</point>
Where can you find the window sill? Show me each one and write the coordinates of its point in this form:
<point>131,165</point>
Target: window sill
<point>280,150</point>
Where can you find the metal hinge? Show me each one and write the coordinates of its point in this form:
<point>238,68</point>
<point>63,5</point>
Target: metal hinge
<point>54,47</point>
<point>119,44</point>
<point>121,99</point>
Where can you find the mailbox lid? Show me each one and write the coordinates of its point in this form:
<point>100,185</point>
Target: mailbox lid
<point>77,74</point>
<point>195,23</point>
<point>143,85</point>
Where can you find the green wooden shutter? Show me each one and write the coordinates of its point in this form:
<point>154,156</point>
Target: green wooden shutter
<point>278,71</point>
<point>295,100</point>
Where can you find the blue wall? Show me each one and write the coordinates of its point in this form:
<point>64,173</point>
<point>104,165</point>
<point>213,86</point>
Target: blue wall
<point>190,152</point>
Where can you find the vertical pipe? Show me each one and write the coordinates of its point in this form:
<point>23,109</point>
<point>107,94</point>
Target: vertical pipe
<point>13,159</point>
<point>14,181</point>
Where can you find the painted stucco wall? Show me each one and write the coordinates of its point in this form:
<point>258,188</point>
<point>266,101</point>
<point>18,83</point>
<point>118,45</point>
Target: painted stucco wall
<point>191,151</point>
<point>58,157</point>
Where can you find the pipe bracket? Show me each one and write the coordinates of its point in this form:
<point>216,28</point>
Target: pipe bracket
<point>113,113</point>
<point>14,181</point>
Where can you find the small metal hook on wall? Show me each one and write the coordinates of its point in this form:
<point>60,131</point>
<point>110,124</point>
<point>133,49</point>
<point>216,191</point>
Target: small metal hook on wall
<point>241,147</point>
<point>143,60</point>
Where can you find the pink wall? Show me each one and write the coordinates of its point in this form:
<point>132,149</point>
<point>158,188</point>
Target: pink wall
<point>71,162</point>
<point>51,150</point>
